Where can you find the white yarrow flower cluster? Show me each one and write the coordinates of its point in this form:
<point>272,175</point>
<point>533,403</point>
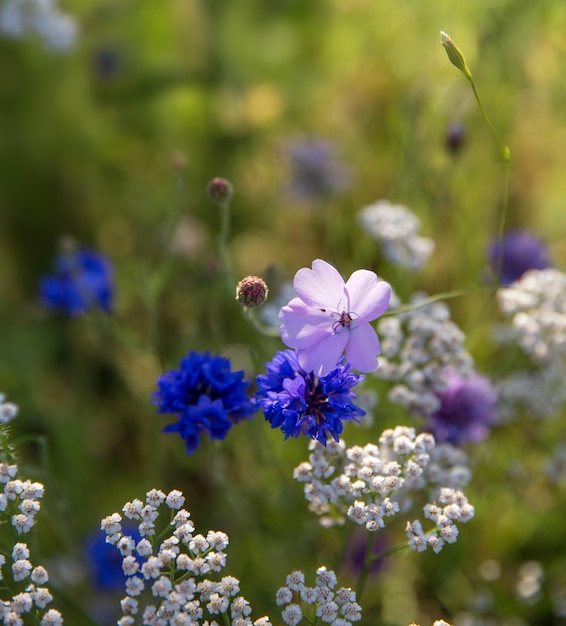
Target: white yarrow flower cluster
<point>19,504</point>
<point>170,574</point>
<point>417,349</point>
<point>332,606</point>
<point>56,29</point>
<point>535,310</point>
<point>396,228</point>
<point>366,485</point>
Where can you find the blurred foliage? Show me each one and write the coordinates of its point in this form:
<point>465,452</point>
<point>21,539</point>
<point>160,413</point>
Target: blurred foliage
<point>114,143</point>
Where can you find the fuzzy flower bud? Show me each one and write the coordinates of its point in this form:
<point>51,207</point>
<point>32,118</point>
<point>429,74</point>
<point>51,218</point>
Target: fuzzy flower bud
<point>220,190</point>
<point>251,291</point>
<point>455,55</point>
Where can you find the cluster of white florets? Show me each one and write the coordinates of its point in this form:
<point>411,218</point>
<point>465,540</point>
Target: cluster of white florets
<point>396,228</point>
<point>19,504</point>
<point>172,572</point>
<point>43,18</point>
<point>367,485</point>
<point>417,349</point>
<point>535,309</point>
<point>323,601</point>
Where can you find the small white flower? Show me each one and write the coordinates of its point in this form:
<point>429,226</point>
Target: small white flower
<point>217,604</point>
<point>21,569</point>
<point>155,497</point>
<point>39,575</point>
<point>283,596</point>
<point>292,614</point>
<point>175,499</point>
<point>42,597</point>
<point>20,551</point>
<point>52,618</point>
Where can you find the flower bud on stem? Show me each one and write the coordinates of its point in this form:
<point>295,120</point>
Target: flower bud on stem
<point>456,57</point>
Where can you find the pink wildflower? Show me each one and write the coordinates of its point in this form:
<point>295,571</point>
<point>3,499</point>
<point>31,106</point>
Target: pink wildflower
<point>329,316</point>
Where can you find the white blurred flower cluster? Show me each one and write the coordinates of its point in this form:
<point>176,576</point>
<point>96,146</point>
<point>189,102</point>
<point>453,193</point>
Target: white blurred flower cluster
<point>168,569</point>
<point>368,484</point>
<point>19,504</point>
<point>396,228</point>
<point>534,308</point>
<point>56,29</point>
<point>417,349</point>
<point>337,607</point>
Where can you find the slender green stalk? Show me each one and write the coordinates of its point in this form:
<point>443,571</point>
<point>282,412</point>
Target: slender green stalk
<point>371,559</point>
<point>223,235</point>
<point>264,329</point>
<point>445,295</point>
<point>456,57</point>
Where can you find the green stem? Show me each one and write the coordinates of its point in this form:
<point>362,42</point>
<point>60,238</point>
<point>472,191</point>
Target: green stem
<point>264,329</point>
<point>506,154</point>
<point>371,559</point>
<point>223,243</point>
<point>445,295</point>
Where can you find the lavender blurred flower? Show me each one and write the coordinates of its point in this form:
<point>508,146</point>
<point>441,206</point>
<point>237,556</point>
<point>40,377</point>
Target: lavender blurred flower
<point>466,411</point>
<point>82,281</point>
<point>205,395</point>
<point>330,316</point>
<point>316,170</point>
<point>300,403</point>
<point>57,30</point>
<point>522,251</point>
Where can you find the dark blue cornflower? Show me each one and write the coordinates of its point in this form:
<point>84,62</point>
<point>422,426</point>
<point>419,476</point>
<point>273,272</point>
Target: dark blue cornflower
<point>300,403</point>
<point>205,395</point>
<point>522,251</point>
<point>82,281</point>
<point>105,560</point>
<point>466,411</point>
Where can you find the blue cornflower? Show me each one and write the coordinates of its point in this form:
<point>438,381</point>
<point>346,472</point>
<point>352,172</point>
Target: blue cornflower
<point>522,251</point>
<point>82,281</point>
<point>301,403</point>
<point>205,395</point>
<point>466,411</point>
<point>105,560</point>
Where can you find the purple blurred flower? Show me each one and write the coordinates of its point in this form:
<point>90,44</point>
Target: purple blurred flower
<point>82,281</point>
<point>300,403</point>
<point>356,553</point>
<point>330,316</point>
<point>205,395</point>
<point>522,251</point>
<point>466,412</point>
<point>315,168</point>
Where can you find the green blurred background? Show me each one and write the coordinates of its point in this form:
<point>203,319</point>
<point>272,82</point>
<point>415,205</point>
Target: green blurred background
<point>113,144</point>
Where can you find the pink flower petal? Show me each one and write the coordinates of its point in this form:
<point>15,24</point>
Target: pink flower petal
<point>322,287</point>
<point>303,326</point>
<point>369,296</point>
<point>363,347</point>
<point>323,357</point>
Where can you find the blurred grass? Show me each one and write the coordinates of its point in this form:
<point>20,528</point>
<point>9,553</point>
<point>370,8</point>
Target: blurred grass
<point>114,144</point>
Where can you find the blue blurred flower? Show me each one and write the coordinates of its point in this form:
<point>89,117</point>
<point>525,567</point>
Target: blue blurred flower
<point>301,403</point>
<point>522,251</point>
<point>466,411</point>
<point>316,170</point>
<point>205,395</point>
<point>82,281</point>
<point>105,560</point>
